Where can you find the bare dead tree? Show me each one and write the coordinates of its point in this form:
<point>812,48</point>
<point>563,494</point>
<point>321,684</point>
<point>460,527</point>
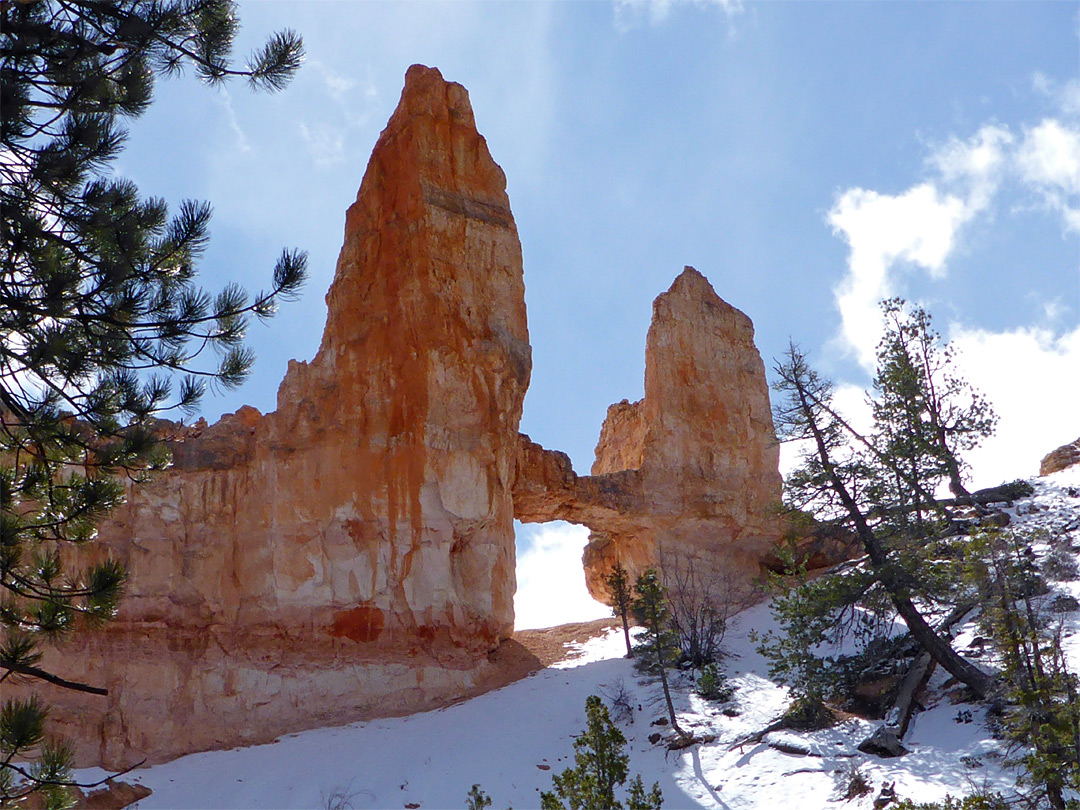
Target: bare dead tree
<point>702,604</point>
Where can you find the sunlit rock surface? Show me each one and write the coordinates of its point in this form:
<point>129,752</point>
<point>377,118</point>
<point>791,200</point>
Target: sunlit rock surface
<point>351,553</point>
<point>1060,459</point>
<point>690,472</point>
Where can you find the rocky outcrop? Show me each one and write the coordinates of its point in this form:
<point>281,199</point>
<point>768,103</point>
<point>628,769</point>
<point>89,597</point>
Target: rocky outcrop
<point>622,438</point>
<point>1065,456</point>
<point>351,553</point>
<point>690,471</point>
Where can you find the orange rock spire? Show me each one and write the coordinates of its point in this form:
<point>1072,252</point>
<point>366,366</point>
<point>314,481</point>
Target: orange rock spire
<point>691,470</point>
<point>352,553</point>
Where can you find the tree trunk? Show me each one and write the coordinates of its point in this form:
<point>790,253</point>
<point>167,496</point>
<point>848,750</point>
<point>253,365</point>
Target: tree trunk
<point>667,692</point>
<point>938,648</point>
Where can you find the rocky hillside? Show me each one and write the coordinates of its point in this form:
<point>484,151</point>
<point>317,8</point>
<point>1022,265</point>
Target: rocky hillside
<point>513,740</point>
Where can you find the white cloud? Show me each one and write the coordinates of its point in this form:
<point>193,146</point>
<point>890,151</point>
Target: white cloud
<point>975,165</point>
<point>918,226</point>
<point>922,226</point>
<point>630,14</point>
<point>1048,160</point>
<point>1030,376</point>
<point>551,580</point>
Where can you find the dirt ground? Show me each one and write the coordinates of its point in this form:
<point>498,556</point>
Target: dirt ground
<point>550,645</point>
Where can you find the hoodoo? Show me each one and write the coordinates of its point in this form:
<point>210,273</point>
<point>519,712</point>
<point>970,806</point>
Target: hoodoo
<point>351,554</point>
<point>690,472</point>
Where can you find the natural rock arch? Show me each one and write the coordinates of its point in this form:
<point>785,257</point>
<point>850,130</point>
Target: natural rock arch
<point>352,553</point>
<point>692,467</point>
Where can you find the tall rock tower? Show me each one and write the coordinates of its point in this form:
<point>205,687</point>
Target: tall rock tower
<point>406,420</point>
<point>352,553</point>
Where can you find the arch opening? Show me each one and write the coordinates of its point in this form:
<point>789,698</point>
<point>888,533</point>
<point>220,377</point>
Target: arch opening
<point>550,577</point>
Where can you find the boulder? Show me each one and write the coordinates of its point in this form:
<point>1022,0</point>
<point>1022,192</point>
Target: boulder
<point>884,743</point>
<point>1064,457</point>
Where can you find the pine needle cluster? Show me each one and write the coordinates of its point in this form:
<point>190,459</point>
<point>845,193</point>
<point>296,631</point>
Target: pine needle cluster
<point>103,326</point>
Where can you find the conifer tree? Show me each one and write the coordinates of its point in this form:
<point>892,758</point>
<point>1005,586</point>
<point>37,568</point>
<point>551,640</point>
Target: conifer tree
<point>659,641</point>
<point>1043,694</point>
<point>925,415</point>
<point>99,311</point>
<point>840,478</point>
<point>618,582</point>
<point>600,766</point>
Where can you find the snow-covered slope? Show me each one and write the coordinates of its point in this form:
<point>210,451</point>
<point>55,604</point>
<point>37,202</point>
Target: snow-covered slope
<point>513,740</point>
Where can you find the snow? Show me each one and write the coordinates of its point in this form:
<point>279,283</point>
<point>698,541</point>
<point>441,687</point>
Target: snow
<point>513,740</point>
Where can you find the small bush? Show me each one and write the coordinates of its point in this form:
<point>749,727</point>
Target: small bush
<point>1059,565</point>
<point>713,685</point>
<point>1064,603</point>
<point>621,701</point>
<point>857,783</point>
<point>339,799</point>
<point>477,799</point>
<point>808,714</point>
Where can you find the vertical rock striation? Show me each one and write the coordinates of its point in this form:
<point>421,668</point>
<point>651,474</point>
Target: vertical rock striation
<point>691,470</point>
<point>351,553</point>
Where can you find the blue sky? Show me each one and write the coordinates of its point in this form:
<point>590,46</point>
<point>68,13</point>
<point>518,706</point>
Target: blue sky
<point>806,157</point>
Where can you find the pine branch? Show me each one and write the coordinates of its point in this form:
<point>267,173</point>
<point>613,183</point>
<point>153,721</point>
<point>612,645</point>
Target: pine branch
<point>35,672</point>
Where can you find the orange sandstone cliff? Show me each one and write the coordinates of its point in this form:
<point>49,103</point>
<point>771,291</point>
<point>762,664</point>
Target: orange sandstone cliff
<point>351,554</point>
<point>690,472</point>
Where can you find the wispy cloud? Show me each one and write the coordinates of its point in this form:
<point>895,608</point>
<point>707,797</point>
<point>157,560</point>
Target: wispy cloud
<point>325,143</point>
<point>630,14</point>
<point>341,88</point>
<point>243,143</point>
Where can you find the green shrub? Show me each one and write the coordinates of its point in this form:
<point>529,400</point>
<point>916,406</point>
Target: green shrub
<point>713,685</point>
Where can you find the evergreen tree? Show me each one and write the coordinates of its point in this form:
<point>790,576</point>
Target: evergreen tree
<point>618,582</point>
<point>659,641</point>
<point>638,799</point>
<point>600,766</point>
<point>1043,710</point>
<point>925,415</point>
<point>840,478</point>
<point>99,310</point>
